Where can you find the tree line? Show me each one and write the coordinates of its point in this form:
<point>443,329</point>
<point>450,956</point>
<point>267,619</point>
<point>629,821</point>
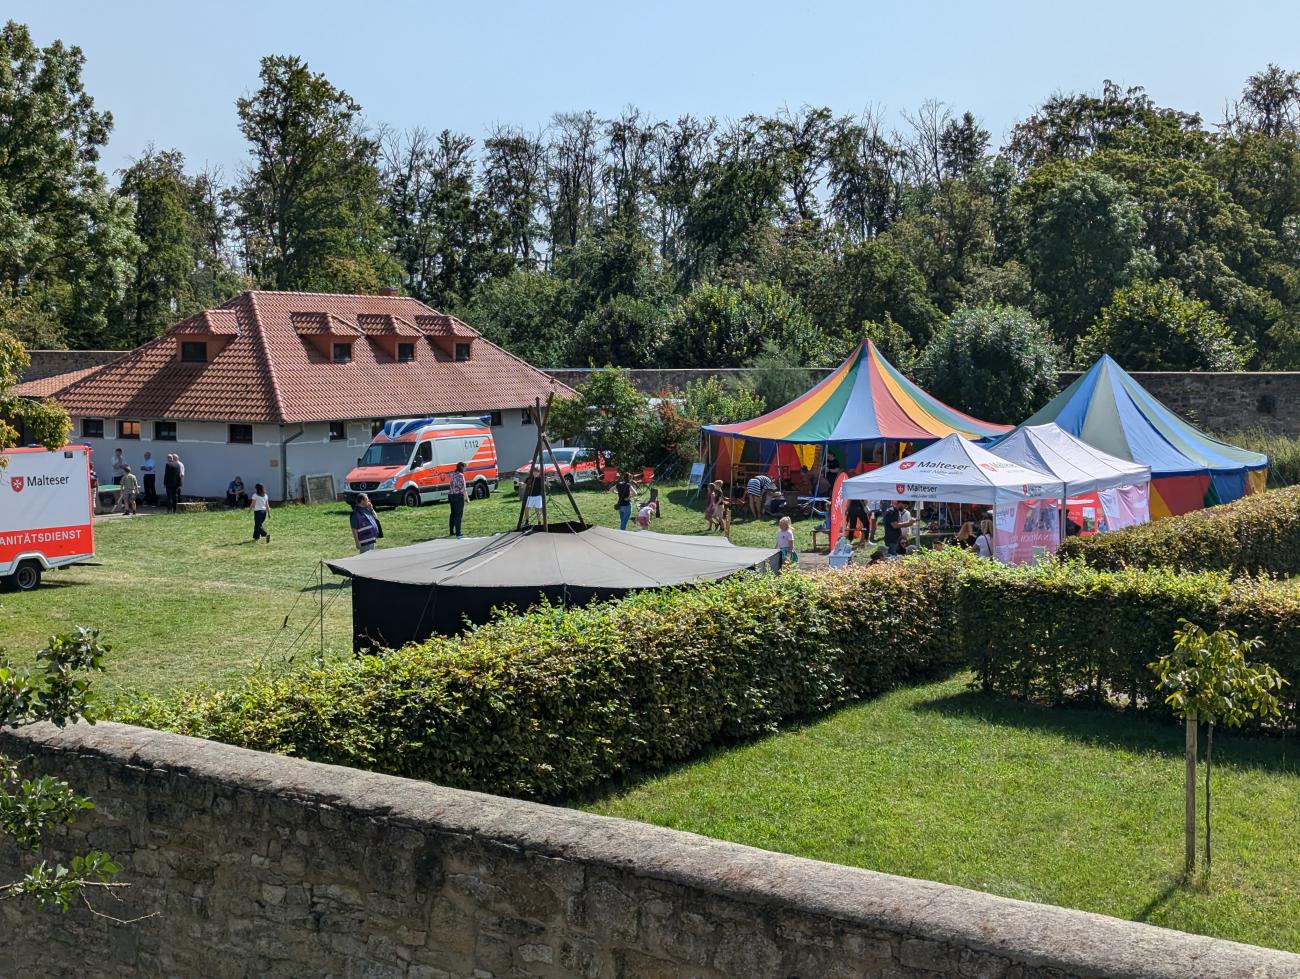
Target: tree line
<point>1105,223</point>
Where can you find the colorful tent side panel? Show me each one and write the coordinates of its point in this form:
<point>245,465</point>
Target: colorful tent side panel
<point>1172,496</point>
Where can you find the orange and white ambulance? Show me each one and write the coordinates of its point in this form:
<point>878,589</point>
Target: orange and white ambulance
<point>410,461</point>
<point>46,516</point>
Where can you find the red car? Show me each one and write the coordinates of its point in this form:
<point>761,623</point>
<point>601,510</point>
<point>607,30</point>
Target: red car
<point>577,465</point>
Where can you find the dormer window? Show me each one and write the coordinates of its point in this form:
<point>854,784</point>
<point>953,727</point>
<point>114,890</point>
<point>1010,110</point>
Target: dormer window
<point>462,352</point>
<point>194,352</point>
<point>342,353</point>
<point>405,353</point>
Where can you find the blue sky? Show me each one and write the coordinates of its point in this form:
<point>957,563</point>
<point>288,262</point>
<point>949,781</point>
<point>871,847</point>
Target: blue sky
<point>171,71</point>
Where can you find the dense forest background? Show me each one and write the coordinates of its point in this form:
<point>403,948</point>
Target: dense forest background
<point>1106,223</point>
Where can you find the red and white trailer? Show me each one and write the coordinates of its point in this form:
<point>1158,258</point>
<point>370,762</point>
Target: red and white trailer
<point>46,516</point>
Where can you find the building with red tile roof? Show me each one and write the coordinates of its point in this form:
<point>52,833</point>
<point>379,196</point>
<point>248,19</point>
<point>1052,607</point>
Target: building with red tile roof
<point>274,386</point>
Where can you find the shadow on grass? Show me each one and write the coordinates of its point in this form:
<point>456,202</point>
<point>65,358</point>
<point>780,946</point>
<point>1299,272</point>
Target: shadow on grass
<point>1115,729</point>
<point>638,776</point>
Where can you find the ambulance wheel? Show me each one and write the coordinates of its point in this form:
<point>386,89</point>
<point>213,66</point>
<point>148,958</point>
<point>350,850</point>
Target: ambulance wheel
<point>480,491</point>
<point>27,577</point>
<point>410,498</point>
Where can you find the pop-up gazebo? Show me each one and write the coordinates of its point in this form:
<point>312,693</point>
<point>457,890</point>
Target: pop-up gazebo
<point>1189,469</point>
<point>1104,492</point>
<point>1026,502</point>
<point>865,404</point>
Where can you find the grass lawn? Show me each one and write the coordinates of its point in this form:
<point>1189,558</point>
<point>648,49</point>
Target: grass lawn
<point>189,599</point>
<point>1073,807</point>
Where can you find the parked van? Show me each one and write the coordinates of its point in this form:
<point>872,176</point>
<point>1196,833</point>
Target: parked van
<point>45,513</point>
<point>410,461</point>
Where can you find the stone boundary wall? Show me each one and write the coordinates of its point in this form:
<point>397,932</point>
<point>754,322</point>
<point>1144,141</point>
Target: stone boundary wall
<point>1226,402</point>
<point>260,865</point>
<point>47,363</point>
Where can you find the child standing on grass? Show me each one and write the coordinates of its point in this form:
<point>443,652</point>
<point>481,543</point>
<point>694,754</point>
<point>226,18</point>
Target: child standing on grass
<point>785,541</point>
<point>261,507</point>
<point>713,509</point>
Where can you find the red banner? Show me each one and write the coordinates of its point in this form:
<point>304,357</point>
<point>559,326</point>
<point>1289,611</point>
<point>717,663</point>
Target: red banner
<point>53,542</point>
<point>837,509</point>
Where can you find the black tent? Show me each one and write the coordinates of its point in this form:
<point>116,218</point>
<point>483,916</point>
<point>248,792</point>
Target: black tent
<point>406,594</point>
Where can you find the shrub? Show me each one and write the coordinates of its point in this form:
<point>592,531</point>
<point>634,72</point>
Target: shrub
<point>1152,326</point>
<point>545,704</point>
<point>1253,535</point>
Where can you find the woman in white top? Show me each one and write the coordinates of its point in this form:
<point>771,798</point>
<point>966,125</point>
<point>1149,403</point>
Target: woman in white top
<point>984,542</point>
<point>261,507</point>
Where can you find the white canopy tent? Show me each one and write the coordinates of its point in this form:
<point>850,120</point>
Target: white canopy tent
<point>1120,489</point>
<point>1026,502</point>
<point>1084,469</point>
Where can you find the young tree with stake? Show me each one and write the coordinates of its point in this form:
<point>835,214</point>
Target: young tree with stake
<point>1207,678</point>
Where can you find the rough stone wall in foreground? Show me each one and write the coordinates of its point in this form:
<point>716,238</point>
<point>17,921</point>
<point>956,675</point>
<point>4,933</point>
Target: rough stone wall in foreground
<point>266,866</point>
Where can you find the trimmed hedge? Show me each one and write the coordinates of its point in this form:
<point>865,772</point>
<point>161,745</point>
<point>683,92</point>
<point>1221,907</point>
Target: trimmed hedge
<point>551,702</point>
<point>1257,534</point>
<point>547,704</point>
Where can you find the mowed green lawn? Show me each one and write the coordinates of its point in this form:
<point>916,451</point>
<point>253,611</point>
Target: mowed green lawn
<point>190,600</point>
<point>1074,807</point>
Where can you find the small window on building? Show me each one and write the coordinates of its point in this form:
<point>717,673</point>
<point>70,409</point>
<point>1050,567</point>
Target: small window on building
<point>194,352</point>
<point>405,353</point>
<point>338,431</point>
<point>526,416</point>
<point>496,419</point>
<point>164,431</point>
<point>376,427</point>
<point>242,434</point>
<point>462,352</point>
<point>342,353</point>
<point>128,430</point>
<point>92,428</point>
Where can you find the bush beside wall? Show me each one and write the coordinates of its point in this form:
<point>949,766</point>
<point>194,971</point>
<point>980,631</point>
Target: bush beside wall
<point>550,703</point>
<point>1257,534</point>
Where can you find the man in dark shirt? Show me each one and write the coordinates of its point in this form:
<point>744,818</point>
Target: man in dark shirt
<point>896,519</point>
<point>624,505</point>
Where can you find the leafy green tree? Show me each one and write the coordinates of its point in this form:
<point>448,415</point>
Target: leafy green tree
<point>526,312</point>
<point>996,362</point>
<point>774,379</point>
<point>309,206</point>
<point>43,422</point>
<point>66,244</point>
<point>177,270</point>
<point>1082,241</point>
<point>609,413</point>
<point>737,198</point>
<point>893,343</point>
<point>876,281</point>
<point>1152,326</point>
<point>712,401</point>
<point>625,331</point>
<point>720,325</point>
<point>1207,678</point>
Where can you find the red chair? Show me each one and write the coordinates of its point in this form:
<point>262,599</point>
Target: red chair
<point>647,475</point>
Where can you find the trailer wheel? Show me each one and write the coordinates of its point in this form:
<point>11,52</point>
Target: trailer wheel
<point>411,497</point>
<point>27,577</point>
<point>480,491</point>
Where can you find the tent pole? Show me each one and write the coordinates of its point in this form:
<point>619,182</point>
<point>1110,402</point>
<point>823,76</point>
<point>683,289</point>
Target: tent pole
<point>537,455</point>
<point>556,465</point>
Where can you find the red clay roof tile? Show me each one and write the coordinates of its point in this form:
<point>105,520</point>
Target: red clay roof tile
<point>271,372</point>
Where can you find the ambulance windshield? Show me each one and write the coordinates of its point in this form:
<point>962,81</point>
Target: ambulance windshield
<point>387,454</point>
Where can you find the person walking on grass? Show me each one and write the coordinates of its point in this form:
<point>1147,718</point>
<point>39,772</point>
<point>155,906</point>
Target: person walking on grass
<point>149,474</point>
<point>785,541</point>
<point>624,504</point>
<point>119,466</point>
<point>126,498</point>
<point>365,525</point>
<point>456,499</point>
<point>172,483</point>
<point>261,510</point>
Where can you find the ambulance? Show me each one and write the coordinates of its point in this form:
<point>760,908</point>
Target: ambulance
<point>46,516</point>
<point>410,461</point>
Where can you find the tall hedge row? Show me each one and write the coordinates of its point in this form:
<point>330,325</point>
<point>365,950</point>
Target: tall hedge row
<point>552,702</point>
<point>1253,535</point>
<point>548,703</point>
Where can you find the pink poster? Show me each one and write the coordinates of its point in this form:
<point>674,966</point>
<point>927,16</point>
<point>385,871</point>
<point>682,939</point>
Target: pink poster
<point>1027,530</point>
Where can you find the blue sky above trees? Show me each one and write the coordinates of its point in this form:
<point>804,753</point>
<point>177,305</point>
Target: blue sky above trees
<point>170,73</point>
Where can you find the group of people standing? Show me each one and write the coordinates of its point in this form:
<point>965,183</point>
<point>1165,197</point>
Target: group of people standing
<point>144,488</point>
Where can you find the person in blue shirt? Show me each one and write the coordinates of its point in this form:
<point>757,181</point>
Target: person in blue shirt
<point>365,525</point>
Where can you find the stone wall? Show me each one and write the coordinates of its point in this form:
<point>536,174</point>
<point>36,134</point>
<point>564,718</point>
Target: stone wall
<point>47,363</point>
<point>1216,402</point>
<point>259,865</point>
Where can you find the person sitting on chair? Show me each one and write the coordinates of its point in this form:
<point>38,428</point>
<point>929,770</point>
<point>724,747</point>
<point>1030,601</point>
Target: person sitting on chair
<point>236,495</point>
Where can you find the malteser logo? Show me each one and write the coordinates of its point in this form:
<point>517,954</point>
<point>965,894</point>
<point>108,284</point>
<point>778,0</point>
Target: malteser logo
<point>908,464</point>
<point>17,483</point>
<point>899,488</point>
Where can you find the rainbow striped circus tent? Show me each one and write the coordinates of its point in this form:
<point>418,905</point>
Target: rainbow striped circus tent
<point>863,409</point>
<point>1189,470</point>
